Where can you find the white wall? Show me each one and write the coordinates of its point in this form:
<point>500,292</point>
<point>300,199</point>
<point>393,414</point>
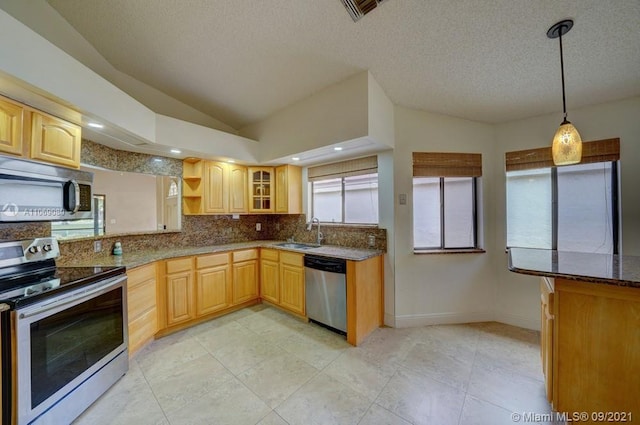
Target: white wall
<point>442,288</point>
<point>518,296</point>
<point>334,114</point>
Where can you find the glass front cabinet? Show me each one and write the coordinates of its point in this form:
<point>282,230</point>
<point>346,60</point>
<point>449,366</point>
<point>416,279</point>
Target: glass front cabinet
<point>261,184</point>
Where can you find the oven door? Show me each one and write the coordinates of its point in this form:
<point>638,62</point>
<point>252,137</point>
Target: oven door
<point>64,341</point>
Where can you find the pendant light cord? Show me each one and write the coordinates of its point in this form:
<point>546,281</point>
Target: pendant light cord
<point>564,101</point>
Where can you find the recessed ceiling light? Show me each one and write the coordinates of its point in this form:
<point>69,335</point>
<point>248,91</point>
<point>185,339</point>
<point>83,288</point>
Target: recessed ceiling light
<point>95,125</point>
<point>231,161</point>
<point>157,159</point>
<point>176,151</point>
<point>295,158</point>
<point>337,148</point>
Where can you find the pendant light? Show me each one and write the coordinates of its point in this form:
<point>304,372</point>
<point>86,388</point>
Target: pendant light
<point>567,143</point>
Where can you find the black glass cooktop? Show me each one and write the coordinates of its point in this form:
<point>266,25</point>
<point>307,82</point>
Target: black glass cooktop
<point>26,285</point>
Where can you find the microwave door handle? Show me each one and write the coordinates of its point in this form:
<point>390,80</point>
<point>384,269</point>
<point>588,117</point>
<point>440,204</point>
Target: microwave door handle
<point>103,288</point>
<point>76,188</point>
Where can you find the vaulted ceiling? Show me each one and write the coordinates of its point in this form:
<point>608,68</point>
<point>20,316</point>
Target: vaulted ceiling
<point>486,60</point>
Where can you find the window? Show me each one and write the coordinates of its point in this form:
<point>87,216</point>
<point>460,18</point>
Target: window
<point>445,200</point>
<point>569,208</point>
<point>345,192</point>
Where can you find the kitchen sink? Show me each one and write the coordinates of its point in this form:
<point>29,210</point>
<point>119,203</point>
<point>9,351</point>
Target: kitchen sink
<point>296,245</point>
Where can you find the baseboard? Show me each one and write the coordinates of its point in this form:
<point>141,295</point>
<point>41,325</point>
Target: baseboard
<point>413,320</point>
<point>389,320</point>
<point>519,321</point>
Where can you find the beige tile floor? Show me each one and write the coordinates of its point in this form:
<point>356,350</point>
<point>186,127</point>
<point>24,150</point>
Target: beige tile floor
<point>262,366</point>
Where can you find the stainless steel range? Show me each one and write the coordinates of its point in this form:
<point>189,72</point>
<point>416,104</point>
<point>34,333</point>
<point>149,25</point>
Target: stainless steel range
<point>64,333</point>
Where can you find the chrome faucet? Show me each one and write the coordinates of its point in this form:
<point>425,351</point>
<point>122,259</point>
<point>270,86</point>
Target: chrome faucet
<point>310,225</point>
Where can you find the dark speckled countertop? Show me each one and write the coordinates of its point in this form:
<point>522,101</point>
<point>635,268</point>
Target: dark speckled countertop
<point>139,258</point>
<point>619,270</point>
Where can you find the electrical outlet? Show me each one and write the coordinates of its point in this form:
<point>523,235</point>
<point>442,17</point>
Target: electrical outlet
<point>258,227</point>
<point>402,199</point>
<point>372,240</point>
<point>277,226</point>
<point>97,246</point>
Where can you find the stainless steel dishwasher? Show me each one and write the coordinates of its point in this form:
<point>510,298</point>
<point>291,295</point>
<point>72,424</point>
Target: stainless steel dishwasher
<point>326,291</point>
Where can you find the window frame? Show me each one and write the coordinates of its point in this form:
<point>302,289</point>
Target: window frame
<point>474,212</point>
<point>342,201</point>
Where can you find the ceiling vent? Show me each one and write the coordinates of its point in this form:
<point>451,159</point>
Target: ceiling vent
<point>358,8</point>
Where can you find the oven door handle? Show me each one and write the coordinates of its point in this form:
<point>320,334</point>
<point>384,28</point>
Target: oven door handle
<point>102,288</point>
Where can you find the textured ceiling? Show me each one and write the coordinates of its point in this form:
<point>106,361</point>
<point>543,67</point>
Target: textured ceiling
<point>491,61</point>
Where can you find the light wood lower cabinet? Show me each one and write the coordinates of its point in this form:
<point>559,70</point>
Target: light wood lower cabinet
<point>595,347</point>
<point>213,283</point>
<point>141,305</point>
<point>292,295</point>
<point>365,298</point>
<point>179,291</point>
<point>546,333</point>
<point>269,276</point>
<point>245,276</point>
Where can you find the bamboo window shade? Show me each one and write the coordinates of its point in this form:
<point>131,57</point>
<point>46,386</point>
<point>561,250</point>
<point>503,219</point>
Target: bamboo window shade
<point>447,164</point>
<point>352,167</point>
<point>597,151</point>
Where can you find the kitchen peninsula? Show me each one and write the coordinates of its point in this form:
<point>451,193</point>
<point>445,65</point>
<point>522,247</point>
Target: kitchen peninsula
<point>590,330</point>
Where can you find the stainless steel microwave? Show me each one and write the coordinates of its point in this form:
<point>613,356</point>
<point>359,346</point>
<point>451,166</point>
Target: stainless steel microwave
<point>33,191</point>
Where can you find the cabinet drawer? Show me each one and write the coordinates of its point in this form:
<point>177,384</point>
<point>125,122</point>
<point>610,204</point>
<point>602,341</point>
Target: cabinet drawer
<point>141,298</point>
<point>179,265</point>
<point>269,254</point>
<point>244,255</point>
<point>141,274</point>
<point>212,260</point>
<point>292,259</point>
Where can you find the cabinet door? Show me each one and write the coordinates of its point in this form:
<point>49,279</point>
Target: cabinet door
<point>11,127</point>
<point>180,298</point>
<point>213,289</point>
<point>54,140</point>
<point>292,288</point>
<point>288,182</point>
<point>216,196</point>
<point>269,281</point>
<point>261,189</point>
<point>238,189</point>
<point>245,281</point>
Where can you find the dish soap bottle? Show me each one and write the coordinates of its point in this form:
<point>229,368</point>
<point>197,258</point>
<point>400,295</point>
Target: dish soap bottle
<point>117,248</point>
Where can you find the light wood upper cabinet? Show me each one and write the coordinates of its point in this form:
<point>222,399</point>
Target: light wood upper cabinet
<point>288,181</point>
<point>216,195</point>
<point>292,295</point>
<point>261,189</point>
<point>11,127</point>
<point>213,283</point>
<point>238,200</point>
<point>269,275</point>
<point>54,140</point>
<point>192,186</point>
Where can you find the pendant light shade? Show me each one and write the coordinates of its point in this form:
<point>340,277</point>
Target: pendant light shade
<point>567,143</point>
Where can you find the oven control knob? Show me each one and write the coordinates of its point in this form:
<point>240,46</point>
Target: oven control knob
<point>47,247</point>
<point>34,249</point>
<point>30,291</point>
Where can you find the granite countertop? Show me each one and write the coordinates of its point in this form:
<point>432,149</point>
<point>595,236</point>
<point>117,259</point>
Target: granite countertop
<point>139,258</point>
<point>608,269</point>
